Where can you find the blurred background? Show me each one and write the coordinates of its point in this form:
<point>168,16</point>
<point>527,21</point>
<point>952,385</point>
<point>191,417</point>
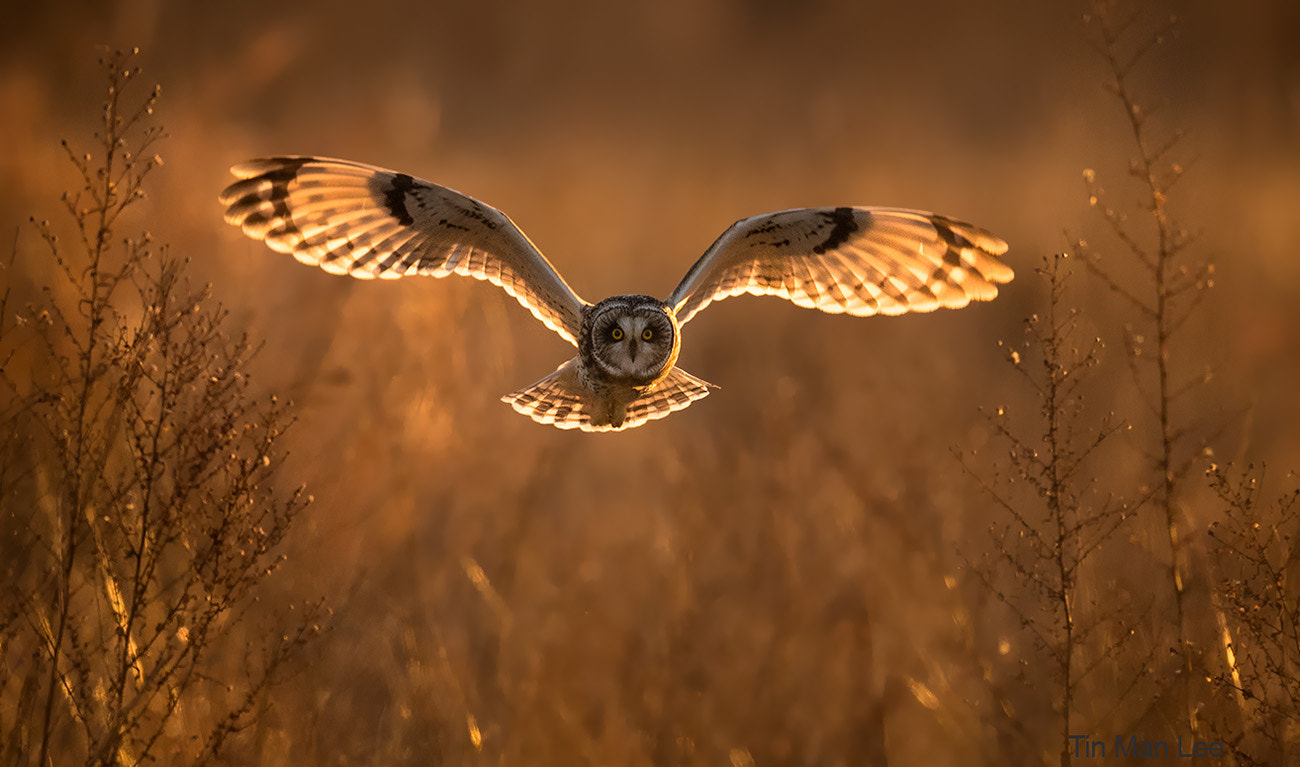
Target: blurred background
<point>775,575</point>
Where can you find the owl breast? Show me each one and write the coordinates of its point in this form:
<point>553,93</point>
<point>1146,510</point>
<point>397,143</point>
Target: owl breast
<point>629,341</point>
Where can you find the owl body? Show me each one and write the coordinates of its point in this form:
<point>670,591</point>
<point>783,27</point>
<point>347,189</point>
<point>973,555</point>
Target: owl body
<point>367,222</point>
<point>626,345</point>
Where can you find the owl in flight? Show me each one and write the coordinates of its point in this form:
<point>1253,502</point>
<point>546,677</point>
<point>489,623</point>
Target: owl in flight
<point>366,222</point>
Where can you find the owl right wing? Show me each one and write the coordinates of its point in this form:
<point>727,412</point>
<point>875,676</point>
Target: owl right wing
<point>363,221</point>
<point>860,261</point>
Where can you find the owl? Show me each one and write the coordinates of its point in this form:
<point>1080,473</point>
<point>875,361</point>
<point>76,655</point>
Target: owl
<point>367,222</point>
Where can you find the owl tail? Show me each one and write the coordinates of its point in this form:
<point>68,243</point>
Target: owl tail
<point>560,399</point>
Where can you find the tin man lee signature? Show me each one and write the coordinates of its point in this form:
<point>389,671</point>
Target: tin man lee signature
<point>1133,746</point>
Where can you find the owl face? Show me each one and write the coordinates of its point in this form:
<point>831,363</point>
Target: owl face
<point>633,338</point>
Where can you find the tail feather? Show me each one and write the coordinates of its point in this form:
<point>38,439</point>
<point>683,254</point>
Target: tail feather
<point>561,400</point>
<point>675,392</point>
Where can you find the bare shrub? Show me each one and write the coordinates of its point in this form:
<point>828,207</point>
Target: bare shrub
<point>1054,518</point>
<point>1258,564</point>
<point>139,504</point>
<point>1161,280</point>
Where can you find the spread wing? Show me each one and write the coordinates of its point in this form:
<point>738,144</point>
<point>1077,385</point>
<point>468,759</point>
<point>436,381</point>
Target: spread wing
<point>354,219</point>
<point>860,261</point>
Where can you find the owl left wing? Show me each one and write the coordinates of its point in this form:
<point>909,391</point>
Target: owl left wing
<point>363,221</point>
<point>859,261</point>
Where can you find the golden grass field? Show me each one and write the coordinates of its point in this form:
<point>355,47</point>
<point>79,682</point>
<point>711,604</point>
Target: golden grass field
<point>804,568</point>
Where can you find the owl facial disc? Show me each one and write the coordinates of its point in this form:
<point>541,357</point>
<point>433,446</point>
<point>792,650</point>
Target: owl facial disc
<point>631,339</point>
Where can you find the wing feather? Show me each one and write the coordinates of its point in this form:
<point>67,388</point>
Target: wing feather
<point>367,222</point>
<point>859,261</point>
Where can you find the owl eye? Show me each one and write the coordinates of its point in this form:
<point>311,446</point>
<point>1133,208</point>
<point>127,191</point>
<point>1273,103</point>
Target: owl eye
<point>616,334</point>
<point>647,334</point>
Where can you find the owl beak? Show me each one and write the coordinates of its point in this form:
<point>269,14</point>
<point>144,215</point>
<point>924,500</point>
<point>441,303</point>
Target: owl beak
<point>631,350</point>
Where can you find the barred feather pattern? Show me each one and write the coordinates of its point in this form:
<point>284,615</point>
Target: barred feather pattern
<point>562,400</point>
<point>859,261</point>
<point>367,222</point>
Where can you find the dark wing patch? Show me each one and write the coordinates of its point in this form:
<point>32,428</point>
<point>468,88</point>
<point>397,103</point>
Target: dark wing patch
<point>843,225</point>
<point>394,192</point>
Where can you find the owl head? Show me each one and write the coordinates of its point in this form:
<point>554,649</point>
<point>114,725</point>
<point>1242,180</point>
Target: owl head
<point>632,338</point>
